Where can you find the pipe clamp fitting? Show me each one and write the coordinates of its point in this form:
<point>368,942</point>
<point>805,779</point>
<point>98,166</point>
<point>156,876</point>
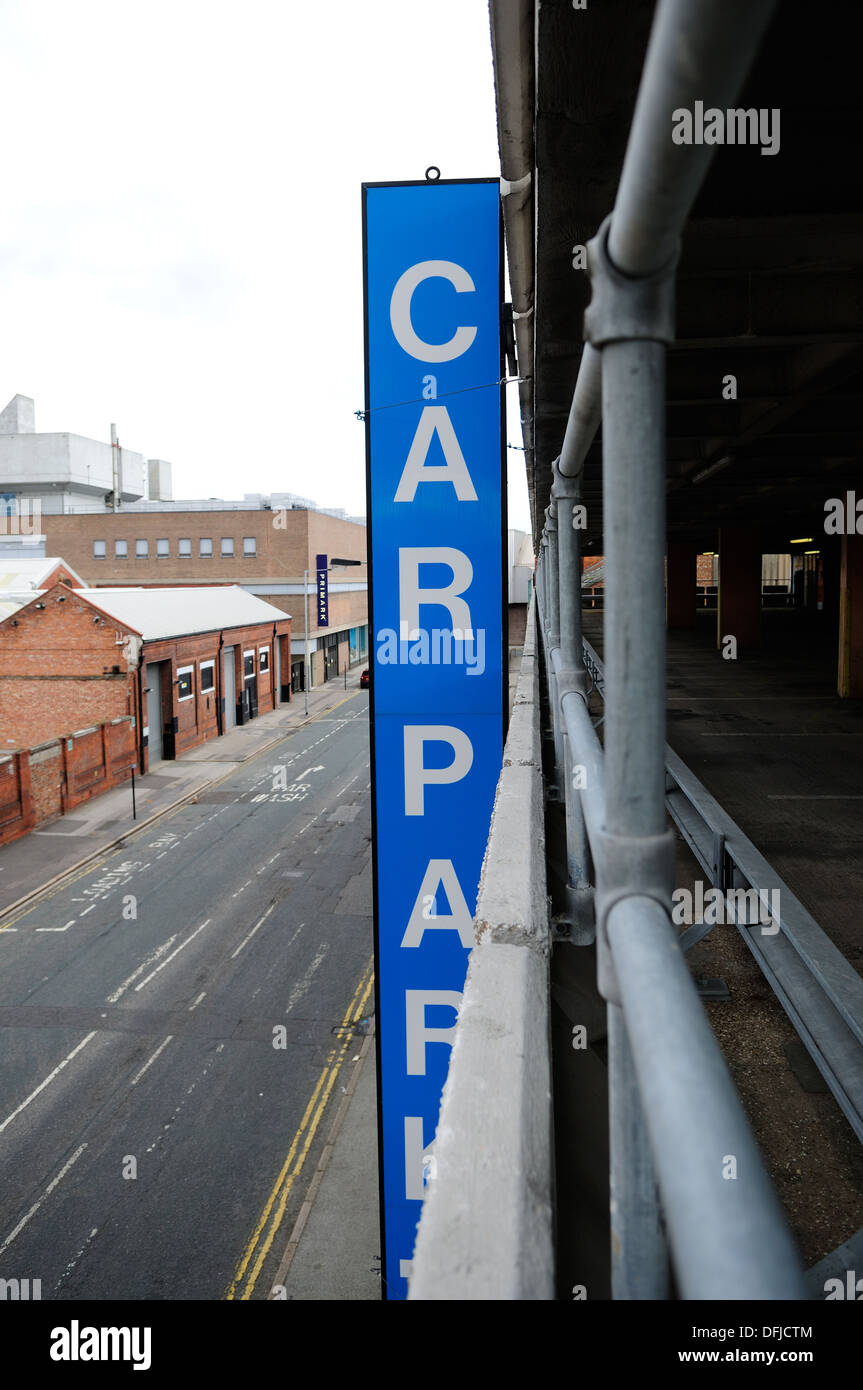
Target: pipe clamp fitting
<point>624,308</point>
<point>628,866</point>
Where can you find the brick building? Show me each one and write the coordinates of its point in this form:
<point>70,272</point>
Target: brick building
<point>96,682</point>
<point>266,551</point>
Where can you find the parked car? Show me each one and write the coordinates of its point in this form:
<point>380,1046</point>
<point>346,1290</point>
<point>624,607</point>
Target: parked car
<point>364,679</point>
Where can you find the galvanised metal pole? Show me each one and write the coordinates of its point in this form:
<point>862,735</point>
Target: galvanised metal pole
<point>639,1257</point>
<point>632,321</point>
<point>571,680</point>
<point>725,1225</point>
<point>584,413</point>
<point>553,644</point>
<point>699,50</point>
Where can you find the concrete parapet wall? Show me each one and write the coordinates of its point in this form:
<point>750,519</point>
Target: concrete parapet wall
<point>486,1226</point>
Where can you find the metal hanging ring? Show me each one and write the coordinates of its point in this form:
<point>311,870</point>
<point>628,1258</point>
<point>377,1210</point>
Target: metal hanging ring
<point>432,173</point>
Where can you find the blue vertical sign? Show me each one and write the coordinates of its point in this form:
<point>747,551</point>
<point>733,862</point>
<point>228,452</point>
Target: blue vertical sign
<point>323,591</point>
<point>436,516</point>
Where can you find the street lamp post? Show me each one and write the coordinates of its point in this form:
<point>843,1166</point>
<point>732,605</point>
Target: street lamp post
<point>334,563</point>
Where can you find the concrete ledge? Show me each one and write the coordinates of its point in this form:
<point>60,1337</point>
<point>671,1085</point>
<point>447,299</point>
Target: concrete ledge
<point>486,1225</point>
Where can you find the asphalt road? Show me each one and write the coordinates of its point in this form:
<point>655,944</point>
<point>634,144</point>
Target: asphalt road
<point>173,1032</point>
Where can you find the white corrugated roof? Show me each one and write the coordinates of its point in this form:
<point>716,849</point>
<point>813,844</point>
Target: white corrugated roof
<point>157,613</point>
<point>19,573</point>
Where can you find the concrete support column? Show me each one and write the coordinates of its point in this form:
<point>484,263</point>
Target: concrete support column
<point>739,608</point>
<point>850,682</point>
<point>680,584</point>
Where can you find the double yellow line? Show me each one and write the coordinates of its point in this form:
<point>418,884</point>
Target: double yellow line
<point>271,1217</point>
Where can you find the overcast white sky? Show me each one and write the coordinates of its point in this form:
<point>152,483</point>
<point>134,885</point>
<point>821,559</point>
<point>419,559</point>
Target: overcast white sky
<point>181,249</point>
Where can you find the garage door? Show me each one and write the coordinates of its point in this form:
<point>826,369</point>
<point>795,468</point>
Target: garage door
<point>154,710</point>
<point>229,687</point>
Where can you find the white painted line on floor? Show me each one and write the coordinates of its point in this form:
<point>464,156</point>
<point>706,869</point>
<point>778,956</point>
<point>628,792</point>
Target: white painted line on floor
<point>252,932</point>
<point>66,928</point>
<point>195,1002</point>
<point>88,909</point>
<point>48,1079</point>
<point>47,1193</point>
<point>302,986</point>
<point>150,1061</point>
<point>169,958</point>
<point>151,960</point>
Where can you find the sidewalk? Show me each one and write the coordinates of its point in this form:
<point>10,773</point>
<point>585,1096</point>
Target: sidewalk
<point>31,863</point>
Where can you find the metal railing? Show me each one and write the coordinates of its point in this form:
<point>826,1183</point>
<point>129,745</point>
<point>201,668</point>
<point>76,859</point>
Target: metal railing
<point>685,1168</point>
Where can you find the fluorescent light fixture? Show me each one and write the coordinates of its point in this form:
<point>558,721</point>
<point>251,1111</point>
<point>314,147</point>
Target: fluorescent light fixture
<point>714,468</point>
<point>802,540</point>
<point>812,552</point>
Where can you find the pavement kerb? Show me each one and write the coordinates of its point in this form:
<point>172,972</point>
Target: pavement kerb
<point>157,815</point>
<point>323,1164</point>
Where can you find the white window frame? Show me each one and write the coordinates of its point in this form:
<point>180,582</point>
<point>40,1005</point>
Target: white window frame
<point>103,554</point>
<point>121,554</point>
<point>184,554</point>
<point>142,554</point>
<point>250,541</point>
<point>207,666</point>
<point>263,670</point>
<point>226,554</point>
<point>205,554</point>
<point>184,671</point>
<point>253,654</point>
<point>166,542</point>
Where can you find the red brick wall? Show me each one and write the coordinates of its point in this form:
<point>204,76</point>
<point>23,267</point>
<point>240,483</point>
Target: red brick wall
<point>56,776</point>
<point>57,670</point>
<point>46,782</point>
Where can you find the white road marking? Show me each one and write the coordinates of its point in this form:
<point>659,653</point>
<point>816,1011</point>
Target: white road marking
<point>252,932</point>
<point>87,909</point>
<point>47,1193</point>
<point>48,1079</point>
<point>302,986</point>
<point>150,1060</point>
<point>72,1263</point>
<point>169,958</point>
<point>241,890</point>
<point>195,1002</point>
<point>151,960</point>
<point>66,928</point>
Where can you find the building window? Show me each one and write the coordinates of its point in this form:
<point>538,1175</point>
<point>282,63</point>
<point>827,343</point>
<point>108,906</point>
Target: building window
<point>121,550</point>
<point>264,659</point>
<point>163,547</point>
<point>208,675</point>
<point>228,545</point>
<point>250,545</point>
<point>184,546</point>
<point>98,550</point>
<point>185,686</point>
<point>248,664</point>
<point>206,546</point>
<point>142,549</point>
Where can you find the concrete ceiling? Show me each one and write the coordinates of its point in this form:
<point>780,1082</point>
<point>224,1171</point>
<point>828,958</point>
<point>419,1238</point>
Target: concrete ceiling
<point>770,287</point>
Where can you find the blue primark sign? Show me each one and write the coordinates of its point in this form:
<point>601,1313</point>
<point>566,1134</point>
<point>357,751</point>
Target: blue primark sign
<point>433,286</point>
<point>323,591</point>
